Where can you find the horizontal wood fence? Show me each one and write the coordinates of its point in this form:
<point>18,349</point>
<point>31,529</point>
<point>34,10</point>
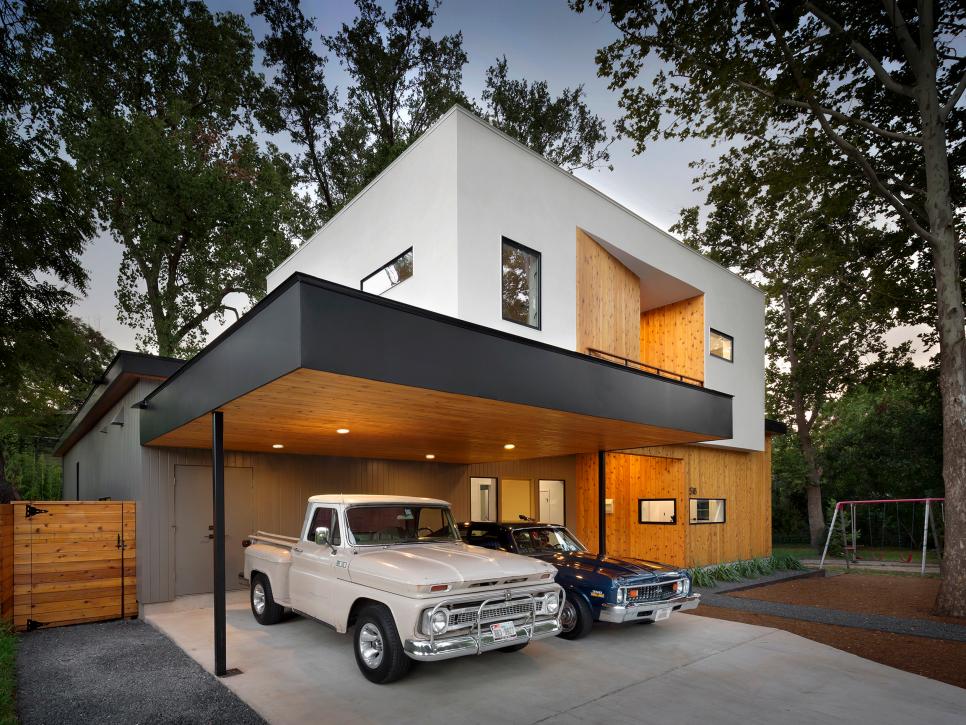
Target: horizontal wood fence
<point>73,562</point>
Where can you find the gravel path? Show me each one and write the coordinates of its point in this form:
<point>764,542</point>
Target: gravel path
<point>917,627</point>
<point>118,672</point>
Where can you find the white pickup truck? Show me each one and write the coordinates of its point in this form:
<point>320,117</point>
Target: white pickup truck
<point>394,568</point>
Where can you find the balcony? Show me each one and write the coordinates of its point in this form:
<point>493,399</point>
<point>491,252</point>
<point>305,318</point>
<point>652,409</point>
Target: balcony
<point>644,367</point>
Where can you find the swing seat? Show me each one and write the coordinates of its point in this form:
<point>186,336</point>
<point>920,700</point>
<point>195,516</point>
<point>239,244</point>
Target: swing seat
<point>907,560</point>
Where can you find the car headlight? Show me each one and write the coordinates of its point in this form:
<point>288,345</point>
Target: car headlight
<point>681,587</point>
<point>620,595</point>
<point>439,621</point>
<point>550,603</point>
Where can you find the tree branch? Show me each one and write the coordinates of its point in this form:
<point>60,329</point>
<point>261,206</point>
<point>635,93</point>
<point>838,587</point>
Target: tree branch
<point>953,99</point>
<point>901,30</point>
<point>850,150</point>
<point>838,115</point>
<point>867,55</point>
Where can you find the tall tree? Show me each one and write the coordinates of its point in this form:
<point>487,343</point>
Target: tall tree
<point>823,324</point>
<point>880,83</point>
<point>155,104</point>
<point>401,80</point>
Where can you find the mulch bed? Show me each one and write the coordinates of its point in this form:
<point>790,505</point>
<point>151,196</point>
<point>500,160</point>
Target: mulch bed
<point>894,596</point>
<point>934,658</point>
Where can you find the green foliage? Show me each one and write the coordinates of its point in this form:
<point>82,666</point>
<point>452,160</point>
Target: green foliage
<point>8,675</point>
<point>708,576</point>
<point>36,475</point>
<point>401,80</point>
<point>154,103</point>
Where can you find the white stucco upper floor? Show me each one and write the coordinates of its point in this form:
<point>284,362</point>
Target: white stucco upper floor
<point>464,186</point>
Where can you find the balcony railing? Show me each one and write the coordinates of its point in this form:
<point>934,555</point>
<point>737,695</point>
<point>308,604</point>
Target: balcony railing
<point>638,365</point>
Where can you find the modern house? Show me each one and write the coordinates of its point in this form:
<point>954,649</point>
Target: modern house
<point>476,325</point>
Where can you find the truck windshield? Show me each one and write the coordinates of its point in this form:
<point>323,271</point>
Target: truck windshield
<point>400,524</point>
<point>545,541</point>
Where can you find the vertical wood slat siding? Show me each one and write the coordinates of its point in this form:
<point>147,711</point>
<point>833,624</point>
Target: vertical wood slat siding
<point>742,478</point>
<point>68,567</point>
<point>672,337</point>
<point>6,562</point>
<point>608,301</point>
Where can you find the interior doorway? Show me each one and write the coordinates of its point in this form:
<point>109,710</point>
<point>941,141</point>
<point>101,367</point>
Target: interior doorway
<point>516,499</point>
<point>194,523</point>
<point>551,497</point>
<point>482,499</point>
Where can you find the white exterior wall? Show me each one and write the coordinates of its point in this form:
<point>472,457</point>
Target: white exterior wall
<point>411,204</point>
<point>461,188</point>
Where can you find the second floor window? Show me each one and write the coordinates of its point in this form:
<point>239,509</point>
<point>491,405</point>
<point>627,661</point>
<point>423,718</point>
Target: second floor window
<point>521,284</point>
<point>388,276</point>
<point>722,346</point>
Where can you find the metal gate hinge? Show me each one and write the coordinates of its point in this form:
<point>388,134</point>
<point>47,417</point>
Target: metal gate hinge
<point>32,510</point>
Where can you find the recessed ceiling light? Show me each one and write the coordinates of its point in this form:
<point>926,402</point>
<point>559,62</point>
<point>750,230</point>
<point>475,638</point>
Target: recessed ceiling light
<point>341,431</point>
<point>509,446</point>
<point>277,445</point>
<point>430,456</point>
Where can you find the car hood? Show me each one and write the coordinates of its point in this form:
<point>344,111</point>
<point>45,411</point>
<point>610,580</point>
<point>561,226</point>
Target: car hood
<point>611,566</point>
<point>411,569</point>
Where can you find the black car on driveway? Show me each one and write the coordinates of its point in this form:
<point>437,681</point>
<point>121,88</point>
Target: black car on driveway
<point>599,588</point>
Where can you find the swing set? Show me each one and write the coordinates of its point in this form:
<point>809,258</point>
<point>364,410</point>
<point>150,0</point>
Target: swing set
<point>850,550</point>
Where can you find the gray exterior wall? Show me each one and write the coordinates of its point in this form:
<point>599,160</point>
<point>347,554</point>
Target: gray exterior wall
<point>115,464</point>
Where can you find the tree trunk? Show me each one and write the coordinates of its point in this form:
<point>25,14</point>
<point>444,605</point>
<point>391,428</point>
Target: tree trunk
<point>813,491</point>
<point>952,350</point>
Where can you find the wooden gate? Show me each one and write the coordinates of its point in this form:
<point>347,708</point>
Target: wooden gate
<point>73,562</point>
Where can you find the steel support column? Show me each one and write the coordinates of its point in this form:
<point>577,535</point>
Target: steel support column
<point>218,509</point>
<point>602,503</point>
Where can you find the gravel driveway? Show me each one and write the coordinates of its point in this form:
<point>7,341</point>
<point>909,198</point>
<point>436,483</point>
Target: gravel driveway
<point>118,672</point>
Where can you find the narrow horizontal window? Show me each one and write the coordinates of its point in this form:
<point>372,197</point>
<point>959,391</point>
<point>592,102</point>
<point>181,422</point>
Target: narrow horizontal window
<point>388,276</point>
<point>521,284</point>
<point>657,511</point>
<point>707,511</point>
<point>722,346</point>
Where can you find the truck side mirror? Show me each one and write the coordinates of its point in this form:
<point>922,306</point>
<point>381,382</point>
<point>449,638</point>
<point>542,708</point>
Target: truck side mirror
<point>321,535</point>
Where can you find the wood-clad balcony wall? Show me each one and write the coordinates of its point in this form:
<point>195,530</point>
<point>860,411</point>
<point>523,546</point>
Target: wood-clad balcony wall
<point>608,301</point>
<point>743,479</point>
<point>672,337</point>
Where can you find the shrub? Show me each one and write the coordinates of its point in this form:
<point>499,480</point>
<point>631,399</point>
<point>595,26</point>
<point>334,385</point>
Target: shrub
<point>708,576</point>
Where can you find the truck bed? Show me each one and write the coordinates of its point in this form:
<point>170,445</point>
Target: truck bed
<point>264,537</point>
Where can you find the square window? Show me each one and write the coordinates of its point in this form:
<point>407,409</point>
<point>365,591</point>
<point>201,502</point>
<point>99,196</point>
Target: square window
<point>722,345</point>
<point>388,276</point>
<point>707,511</point>
<point>657,511</point>
<point>521,284</point>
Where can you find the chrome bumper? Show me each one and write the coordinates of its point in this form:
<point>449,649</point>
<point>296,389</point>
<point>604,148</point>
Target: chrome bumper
<point>471,644</point>
<point>645,611</point>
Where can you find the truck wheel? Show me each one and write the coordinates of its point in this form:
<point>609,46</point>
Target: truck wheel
<point>379,652</point>
<point>576,619</point>
<point>514,647</point>
<point>264,608</point>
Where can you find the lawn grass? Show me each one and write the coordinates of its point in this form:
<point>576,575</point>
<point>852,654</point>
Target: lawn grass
<point>835,570</point>
<point>869,553</point>
<point>8,678</point>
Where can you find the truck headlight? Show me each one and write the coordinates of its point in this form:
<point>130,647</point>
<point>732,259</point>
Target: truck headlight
<point>439,621</point>
<point>550,603</point>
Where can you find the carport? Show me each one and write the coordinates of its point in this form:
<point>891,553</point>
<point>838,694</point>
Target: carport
<point>321,369</point>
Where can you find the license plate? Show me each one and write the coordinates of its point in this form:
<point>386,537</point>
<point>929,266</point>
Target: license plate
<point>662,614</point>
<point>503,630</point>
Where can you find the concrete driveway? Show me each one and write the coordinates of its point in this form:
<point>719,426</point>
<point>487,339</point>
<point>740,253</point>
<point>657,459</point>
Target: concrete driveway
<point>688,669</point>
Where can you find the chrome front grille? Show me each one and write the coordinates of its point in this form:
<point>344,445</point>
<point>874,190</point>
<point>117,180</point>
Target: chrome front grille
<point>651,592</point>
<point>494,612</point>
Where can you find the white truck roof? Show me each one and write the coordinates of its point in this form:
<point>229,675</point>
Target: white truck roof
<point>361,498</point>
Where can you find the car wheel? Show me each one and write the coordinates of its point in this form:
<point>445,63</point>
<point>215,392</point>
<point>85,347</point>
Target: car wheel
<point>264,607</point>
<point>379,652</point>
<point>576,618</point>
<point>514,647</point>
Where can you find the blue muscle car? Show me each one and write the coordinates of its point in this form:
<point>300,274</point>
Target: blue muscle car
<point>599,588</point>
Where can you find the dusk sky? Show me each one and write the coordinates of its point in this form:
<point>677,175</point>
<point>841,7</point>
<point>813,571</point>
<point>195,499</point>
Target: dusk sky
<point>542,40</point>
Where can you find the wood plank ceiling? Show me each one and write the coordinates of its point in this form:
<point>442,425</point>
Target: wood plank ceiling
<point>302,411</point>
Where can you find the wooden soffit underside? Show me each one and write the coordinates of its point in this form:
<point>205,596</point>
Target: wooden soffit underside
<point>303,410</point>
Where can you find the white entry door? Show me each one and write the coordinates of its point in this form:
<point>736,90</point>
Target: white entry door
<point>552,502</point>
<point>483,499</point>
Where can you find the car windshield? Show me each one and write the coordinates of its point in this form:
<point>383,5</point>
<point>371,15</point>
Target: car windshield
<point>546,540</point>
<point>400,524</point>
